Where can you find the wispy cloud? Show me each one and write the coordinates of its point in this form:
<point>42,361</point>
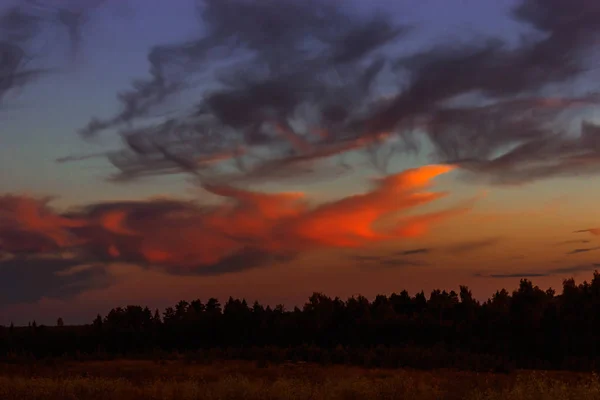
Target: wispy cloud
<point>473,245</point>
<point>458,249</point>
<point>398,263</point>
<point>518,275</point>
<point>572,270</point>
<point>390,262</point>
<point>414,251</point>
<point>396,259</point>
<point>511,133</point>
<point>582,241</point>
<point>593,231</point>
<point>577,251</point>
<point>22,25</point>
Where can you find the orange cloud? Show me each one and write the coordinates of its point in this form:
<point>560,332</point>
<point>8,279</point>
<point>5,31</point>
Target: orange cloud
<point>28,225</point>
<point>113,222</point>
<point>247,228</point>
<point>350,222</point>
<point>593,231</point>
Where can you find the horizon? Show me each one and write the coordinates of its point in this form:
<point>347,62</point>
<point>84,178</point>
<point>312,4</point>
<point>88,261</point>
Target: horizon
<point>291,308</point>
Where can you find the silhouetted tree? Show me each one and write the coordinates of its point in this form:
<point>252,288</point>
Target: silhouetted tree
<point>156,318</point>
<point>530,328</point>
<point>98,322</point>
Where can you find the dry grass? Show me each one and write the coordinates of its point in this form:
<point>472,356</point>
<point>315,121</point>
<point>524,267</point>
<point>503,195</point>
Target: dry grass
<point>129,380</point>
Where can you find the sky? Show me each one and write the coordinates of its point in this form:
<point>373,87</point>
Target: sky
<point>156,151</point>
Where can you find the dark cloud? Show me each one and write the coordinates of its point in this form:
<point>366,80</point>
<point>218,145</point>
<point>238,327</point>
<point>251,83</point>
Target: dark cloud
<point>403,263</point>
<point>414,251</point>
<point>241,261</point>
<point>31,278</point>
<point>577,251</point>
<point>550,272</point>
<point>473,136</point>
<point>80,158</point>
<point>573,269</point>
<point>458,248</point>
<point>466,247</point>
<point>390,262</point>
<point>304,81</point>
<point>21,25</point>
<point>517,275</point>
<point>18,28</point>
<point>574,242</point>
<point>256,98</point>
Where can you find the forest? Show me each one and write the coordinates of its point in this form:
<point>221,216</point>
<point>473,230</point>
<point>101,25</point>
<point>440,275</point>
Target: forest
<point>530,328</point>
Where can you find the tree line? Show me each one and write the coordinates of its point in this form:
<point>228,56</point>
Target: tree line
<point>528,328</point>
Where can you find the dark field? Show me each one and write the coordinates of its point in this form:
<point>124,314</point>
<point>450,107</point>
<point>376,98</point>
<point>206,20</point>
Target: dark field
<point>123,379</point>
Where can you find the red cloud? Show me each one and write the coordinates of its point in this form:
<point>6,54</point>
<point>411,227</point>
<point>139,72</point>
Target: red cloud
<point>28,225</point>
<point>177,234</point>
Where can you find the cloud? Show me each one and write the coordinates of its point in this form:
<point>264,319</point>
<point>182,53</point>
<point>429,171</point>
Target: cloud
<point>517,275</point>
<point>80,158</point>
<point>289,85</point>
<point>469,246</point>
<point>550,272</point>
<point>573,269</point>
<point>29,226</point>
<point>22,25</point>
<point>414,251</point>
<point>245,230</point>
<point>390,261</point>
<point>31,278</point>
<point>386,262</point>
<point>403,263</point>
<point>573,242</point>
<point>18,28</point>
<point>593,231</point>
<point>459,248</point>
<point>254,103</point>
<point>577,251</point>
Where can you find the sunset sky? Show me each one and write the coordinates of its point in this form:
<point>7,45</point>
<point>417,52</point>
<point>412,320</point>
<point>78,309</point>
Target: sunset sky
<point>249,175</point>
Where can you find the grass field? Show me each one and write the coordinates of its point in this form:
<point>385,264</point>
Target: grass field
<point>128,380</point>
